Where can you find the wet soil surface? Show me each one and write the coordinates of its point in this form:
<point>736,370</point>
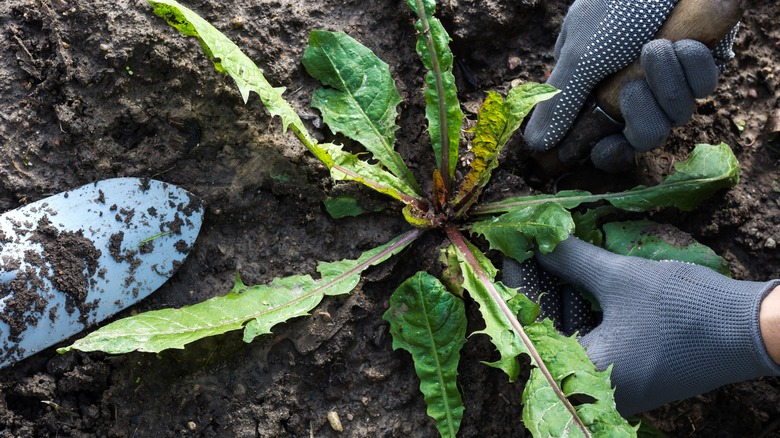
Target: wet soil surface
<point>93,90</point>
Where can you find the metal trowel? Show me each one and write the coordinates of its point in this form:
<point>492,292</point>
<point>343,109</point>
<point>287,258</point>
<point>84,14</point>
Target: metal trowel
<point>72,260</point>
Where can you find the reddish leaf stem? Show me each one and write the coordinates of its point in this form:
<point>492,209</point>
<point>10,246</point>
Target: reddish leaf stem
<point>459,242</point>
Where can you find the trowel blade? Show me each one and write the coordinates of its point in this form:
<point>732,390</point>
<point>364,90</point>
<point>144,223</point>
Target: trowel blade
<point>74,259</point>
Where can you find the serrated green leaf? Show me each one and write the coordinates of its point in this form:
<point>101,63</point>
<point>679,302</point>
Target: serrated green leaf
<point>362,99</point>
<point>709,168</point>
<point>500,331</point>
<point>586,225</point>
<point>349,167</point>
<point>255,308</point>
<point>515,232</point>
<point>544,414</point>
<point>656,241</point>
<point>562,369</point>
<point>229,59</point>
<point>442,108</point>
<point>430,323</point>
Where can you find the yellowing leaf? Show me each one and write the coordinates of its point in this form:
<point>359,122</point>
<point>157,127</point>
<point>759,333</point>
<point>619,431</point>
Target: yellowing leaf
<point>497,121</point>
<point>490,127</point>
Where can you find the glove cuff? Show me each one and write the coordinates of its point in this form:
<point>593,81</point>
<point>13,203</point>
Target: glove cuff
<point>715,336</point>
<point>764,363</point>
<point>707,336</point>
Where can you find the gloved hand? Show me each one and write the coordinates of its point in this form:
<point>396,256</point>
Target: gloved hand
<point>672,330</point>
<point>568,310</point>
<point>600,37</point>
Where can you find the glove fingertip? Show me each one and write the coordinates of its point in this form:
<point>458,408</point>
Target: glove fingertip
<point>699,67</point>
<point>647,126</point>
<point>666,78</point>
<point>655,49</point>
<point>537,132</point>
<point>613,154</point>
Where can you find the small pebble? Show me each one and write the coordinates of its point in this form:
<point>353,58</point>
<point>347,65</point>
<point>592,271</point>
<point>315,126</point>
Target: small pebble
<point>104,47</point>
<point>191,426</point>
<point>514,62</point>
<point>237,22</point>
<point>770,243</point>
<point>335,421</point>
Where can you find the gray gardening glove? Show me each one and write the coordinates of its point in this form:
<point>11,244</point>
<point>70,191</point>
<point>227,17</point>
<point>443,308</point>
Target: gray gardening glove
<point>568,310</point>
<point>600,37</point>
<point>672,330</point>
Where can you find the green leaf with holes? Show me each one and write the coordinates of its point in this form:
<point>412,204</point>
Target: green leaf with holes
<point>586,388</point>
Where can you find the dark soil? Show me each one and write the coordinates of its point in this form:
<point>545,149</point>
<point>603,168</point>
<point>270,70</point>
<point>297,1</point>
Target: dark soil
<point>73,257</point>
<point>93,90</point>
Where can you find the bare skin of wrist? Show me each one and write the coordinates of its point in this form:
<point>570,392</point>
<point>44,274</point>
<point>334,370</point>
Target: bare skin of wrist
<point>769,323</point>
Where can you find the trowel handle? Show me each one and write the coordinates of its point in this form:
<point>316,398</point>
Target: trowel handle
<point>707,21</point>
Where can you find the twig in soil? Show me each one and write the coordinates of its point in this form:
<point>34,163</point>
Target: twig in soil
<point>58,408</point>
<point>163,171</point>
<point>770,430</point>
<point>21,44</point>
<point>19,170</point>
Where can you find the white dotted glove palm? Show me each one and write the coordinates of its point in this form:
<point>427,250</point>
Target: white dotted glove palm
<point>600,37</point>
<point>672,330</point>
<point>569,311</point>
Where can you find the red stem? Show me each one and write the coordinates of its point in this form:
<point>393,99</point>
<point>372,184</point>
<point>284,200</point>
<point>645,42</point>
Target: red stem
<point>459,242</point>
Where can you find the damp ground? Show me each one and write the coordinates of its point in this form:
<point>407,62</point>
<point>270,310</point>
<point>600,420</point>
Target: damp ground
<point>107,89</point>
